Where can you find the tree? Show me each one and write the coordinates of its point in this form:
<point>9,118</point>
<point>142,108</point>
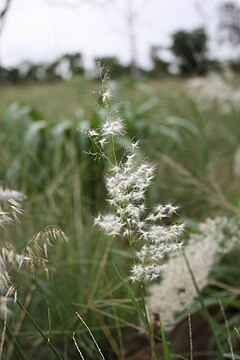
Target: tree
<point>131,11</point>
<point>131,15</point>
<point>69,65</point>
<point>229,22</point>
<point>160,66</point>
<point>3,14</point>
<point>190,49</point>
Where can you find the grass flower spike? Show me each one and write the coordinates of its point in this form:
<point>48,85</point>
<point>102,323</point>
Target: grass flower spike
<point>112,127</point>
<point>127,182</point>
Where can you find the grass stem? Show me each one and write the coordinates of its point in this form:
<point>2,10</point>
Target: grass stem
<point>46,339</point>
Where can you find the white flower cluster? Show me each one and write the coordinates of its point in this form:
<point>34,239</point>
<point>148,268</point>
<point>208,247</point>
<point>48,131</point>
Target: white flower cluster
<point>126,185</point>
<point>6,194</point>
<point>10,205</point>
<point>111,127</point>
<point>10,208</point>
<point>215,238</point>
<point>214,90</point>
<point>9,260</point>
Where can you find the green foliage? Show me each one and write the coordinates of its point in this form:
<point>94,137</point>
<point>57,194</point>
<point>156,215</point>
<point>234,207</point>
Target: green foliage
<point>66,66</point>
<point>190,48</point>
<point>45,156</point>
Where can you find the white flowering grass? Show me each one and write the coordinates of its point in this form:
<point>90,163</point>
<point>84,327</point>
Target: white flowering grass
<point>10,205</point>
<point>215,238</point>
<point>151,233</point>
<point>128,217</point>
<point>214,90</point>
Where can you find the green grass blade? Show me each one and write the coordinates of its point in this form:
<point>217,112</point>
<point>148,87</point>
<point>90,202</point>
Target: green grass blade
<point>138,308</point>
<point>49,321</point>
<point>17,349</point>
<point>205,310</point>
<point>166,350</point>
<point>40,331</point>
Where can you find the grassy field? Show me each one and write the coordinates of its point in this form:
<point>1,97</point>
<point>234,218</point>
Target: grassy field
<point>75,95</point>
<point>194,145</point>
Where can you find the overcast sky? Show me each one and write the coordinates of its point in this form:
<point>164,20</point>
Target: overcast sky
<point>38,30</point>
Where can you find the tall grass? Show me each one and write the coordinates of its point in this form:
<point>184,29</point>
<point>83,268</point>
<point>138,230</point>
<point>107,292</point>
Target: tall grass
<point>46,158</point>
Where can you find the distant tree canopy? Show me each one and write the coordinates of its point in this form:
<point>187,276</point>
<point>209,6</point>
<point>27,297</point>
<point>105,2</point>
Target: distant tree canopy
<point>64,67</point>
<point>160,66</point>
<point>229,22</point>
<point>190,48</point>
<point>69,64</point>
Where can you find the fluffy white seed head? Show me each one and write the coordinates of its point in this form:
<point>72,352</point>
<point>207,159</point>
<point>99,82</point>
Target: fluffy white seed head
<point>7,194</point>
<point>107,96</point>
<point>127,183</point>
<point>146,272</point>
<point>111,224</point>
<point>112,127</point>
<point>215,237</point>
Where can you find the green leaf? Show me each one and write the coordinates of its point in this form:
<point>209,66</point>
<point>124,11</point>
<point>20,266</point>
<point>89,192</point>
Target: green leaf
<point>166,351</point>
<point>138,308</point>
<point>33,135</point>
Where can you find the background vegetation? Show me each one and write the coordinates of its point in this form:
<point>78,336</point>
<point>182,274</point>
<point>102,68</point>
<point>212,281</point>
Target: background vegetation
<point>188,127</point>
<point>44,156</point>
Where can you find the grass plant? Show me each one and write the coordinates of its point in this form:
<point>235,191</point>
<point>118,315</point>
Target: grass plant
<point>45,156</point>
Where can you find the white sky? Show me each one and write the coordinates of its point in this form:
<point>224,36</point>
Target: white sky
<point>37,30</point>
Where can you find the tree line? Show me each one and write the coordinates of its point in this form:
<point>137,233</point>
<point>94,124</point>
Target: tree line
<point>189,50</point>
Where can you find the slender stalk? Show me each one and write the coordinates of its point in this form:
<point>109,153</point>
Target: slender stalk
<point>216,195</point>
<point>149,327</point>
<point>3,335</point>
<point>229,337</point>
<point>118,326</point>
<point>77,347</point>
<point>204,308</point>
<point>188,308</point>
<point>91,334</point>
<point>46,339</point>
<point>113,150</point>
<point>16,345</point>
<point>166,351</point>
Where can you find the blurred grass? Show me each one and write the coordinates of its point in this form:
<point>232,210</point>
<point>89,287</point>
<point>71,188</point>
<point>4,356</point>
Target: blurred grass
<point>64,99</point>
<point>218,135</point>
<point>44,157</point>
<point>55,101</point>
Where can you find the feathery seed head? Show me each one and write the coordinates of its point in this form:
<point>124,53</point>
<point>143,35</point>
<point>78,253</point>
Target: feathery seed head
<point>5,312</point>
<point>6,194</point>
<point>148,272</point>
<point>92,133</point>
<point>126,185</point>
<point>110,223</point>
<point>107,96</point>
<point>215,237</point>
<point>112,127</point>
